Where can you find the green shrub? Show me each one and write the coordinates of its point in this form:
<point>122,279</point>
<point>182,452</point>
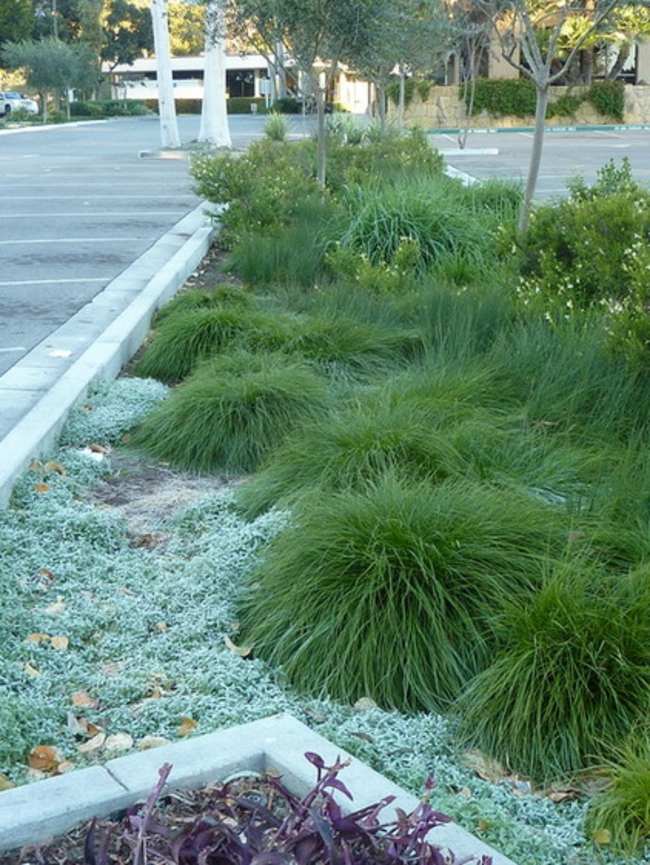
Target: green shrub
<point>109,108</point>
<point>232,411</point>
<point>571,677</point>
<point>503,97</point>
<point>182,340</point>
<point>389,592</point>
<point>622,809</point>
<point>287,105</point>
<point>423,88</point>
<point>263,189</point>
<point>392,91</point>
<point>189,106</point>
<point>608,98</point>
<point>275,127</point>
<point>243,104</point>
<point>201,298</point>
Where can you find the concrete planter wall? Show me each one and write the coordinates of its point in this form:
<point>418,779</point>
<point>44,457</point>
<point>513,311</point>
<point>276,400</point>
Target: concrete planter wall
<point>443,109</point>
<point>39,811</point>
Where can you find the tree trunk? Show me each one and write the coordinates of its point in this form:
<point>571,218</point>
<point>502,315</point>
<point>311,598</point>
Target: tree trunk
<point>621,60</point>
<point>587,66</point>
<point>381,105</point>
<point>402,98</point>
<point>44,98</point>
<point>282,73</point>
<point>535,158</point>
<point>67,107</point>
<point>322,134</point>
<point>169,136</point>
<point>214,129</point>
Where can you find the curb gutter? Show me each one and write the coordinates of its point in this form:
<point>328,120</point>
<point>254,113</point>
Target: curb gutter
<point>581,127</point>
<point>102,336</point>
<point>35,812</point>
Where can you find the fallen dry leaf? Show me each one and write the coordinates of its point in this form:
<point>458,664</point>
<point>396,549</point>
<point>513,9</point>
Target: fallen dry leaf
<point>37,638</point>
<point>161,626</point>
<point>84,700</point>
<point>56,608</point>
<point>53,466</point>
<point>93,744</point>
<point>119,742</point>
<point>242,651</point>
<point>148,742</point>
<point>364,704</point>
<point>60,643</point>
<point>98,449</point>
<point>5,783</point>
<point>32,671</point>
<point>187,726</point>
<point>44,758</point>
<point>42,488</point>
<point>561,794</point>
<point>485,767</point>
<point>64,767</point>
<point>111,668</point>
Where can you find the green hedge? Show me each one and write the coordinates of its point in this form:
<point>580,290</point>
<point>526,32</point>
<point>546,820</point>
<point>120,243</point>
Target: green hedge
<point>109,108</point>
<point>242,104</point>
<point>516,97</point>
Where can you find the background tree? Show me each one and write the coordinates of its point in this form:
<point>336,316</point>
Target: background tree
<point>169,136</point>
<point>51,65</point>
<point>187,22</point>
<point>16,21</point>
<point>529,34</point>
<point>128,33</point>
<point>215,129</point>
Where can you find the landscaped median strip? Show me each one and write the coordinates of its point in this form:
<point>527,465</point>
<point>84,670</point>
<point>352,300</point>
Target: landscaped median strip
<point>40,811</point>
<point>98,341</point>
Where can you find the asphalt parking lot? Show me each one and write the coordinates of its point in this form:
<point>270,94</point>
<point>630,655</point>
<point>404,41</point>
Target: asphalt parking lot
<point>566,154</point>
<point>77,206</point>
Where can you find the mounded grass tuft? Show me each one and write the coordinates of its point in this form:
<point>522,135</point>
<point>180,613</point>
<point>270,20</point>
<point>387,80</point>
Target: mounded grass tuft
<point>389,592</point>
<point>359,443</point>
<point>623,808</point>
<point>340,341</point>
<point>201,298</point>
<point>184,339</point>
<point>232,411</point>
<point>346,449</point>
<point>571,677</point>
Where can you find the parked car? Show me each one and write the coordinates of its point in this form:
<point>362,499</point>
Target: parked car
<point>11,101</point>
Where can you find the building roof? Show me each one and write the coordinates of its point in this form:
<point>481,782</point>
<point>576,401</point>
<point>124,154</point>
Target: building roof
<point>189,64</point>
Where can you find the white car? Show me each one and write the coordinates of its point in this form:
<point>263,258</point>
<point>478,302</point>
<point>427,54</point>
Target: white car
<point>11,101</point>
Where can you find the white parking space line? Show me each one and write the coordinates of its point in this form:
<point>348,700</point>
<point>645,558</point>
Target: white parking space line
<point>53,281</point>
<point>86,197</point>
<point>13,348</point>
<point>85,213</point>
<point>65,240</point>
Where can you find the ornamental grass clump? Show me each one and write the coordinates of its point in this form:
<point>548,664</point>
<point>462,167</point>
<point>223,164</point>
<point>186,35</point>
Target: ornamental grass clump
<point>347,448</point>
<point>232,411</point>
<point>184,339</point>
<point>622,809</point>
<point>571,677</point>
<point>201,298</point>
<point>339,341</point>
<point>389,592</point>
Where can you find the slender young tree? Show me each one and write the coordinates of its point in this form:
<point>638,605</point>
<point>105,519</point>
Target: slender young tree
<point>518,25</point>
<point>169,136</point>
<point>215,129</point>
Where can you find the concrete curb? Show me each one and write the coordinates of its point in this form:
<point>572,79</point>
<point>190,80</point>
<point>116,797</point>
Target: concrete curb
<point>38,811</point>
<point>46,127</point>
<point>580,127</point>
<point>465,178</point>
<point>125,308</point>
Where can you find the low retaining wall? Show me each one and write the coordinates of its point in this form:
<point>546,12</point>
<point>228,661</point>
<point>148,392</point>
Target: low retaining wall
<point>444,109</point>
